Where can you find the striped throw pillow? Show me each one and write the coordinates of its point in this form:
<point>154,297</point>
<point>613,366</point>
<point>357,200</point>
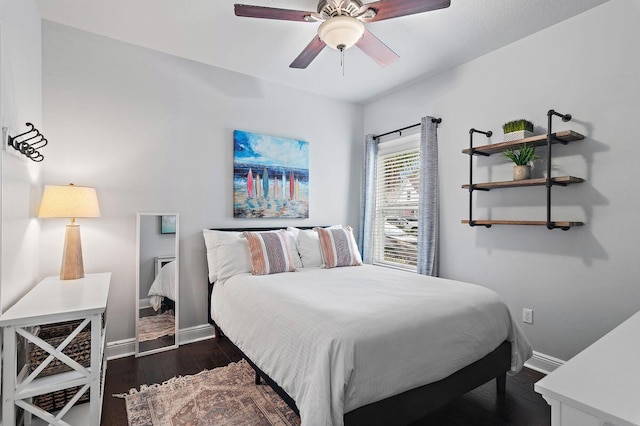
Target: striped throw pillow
<point>269,252</point>
<point>338,247</point>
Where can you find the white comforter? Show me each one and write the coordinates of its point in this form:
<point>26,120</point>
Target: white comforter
<point>164,285</point>
<point>338,339</point>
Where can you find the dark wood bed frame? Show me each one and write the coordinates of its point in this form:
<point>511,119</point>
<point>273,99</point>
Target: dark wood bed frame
<point>169,303</point>
<point>413,404</point>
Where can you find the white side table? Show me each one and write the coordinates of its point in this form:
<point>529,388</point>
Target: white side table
<point>599,386</point>
<point>52,301</point>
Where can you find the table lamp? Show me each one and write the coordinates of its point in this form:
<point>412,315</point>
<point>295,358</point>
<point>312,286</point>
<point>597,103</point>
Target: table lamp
<point>70,201</point>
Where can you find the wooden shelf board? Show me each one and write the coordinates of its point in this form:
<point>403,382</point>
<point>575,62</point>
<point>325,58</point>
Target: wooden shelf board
<point>539,140</point>
<point>560,180</point>
<point>563,224</point>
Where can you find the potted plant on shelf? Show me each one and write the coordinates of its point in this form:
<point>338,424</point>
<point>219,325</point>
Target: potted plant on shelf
<point>517,129</point>
<point>523,157</point>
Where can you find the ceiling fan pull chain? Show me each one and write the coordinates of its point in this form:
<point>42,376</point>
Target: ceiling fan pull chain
<point>342,60</point>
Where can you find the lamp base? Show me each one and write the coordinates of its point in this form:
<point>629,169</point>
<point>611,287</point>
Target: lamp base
<point>72,266</point>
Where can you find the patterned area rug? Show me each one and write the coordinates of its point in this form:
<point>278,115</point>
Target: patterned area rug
<point>224,396</point>
<point>156,326</point>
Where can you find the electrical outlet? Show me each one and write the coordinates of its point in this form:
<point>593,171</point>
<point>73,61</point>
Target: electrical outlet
<point>527,315</point>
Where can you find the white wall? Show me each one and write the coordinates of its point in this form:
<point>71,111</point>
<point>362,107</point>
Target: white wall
<point>580,283</point>
<point>20,97</point>
<point>153,132</point>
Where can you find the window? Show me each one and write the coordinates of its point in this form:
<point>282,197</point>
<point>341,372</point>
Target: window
<point>395,240</point>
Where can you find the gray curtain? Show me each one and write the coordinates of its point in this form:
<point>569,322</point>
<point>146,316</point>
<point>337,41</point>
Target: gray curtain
<point>368,199</point>
<point>428,219</point>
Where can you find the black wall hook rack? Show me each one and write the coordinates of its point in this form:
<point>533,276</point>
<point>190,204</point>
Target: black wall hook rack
<point>29,143</point>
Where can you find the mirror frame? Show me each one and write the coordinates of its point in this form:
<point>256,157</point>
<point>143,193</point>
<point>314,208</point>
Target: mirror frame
<point>139,215</point>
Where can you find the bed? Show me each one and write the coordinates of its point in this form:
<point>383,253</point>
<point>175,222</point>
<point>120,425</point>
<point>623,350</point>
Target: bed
<point>163,288</point>
<point>366,344</point>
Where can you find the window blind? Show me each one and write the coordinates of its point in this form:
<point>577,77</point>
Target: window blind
<point>397,202</point>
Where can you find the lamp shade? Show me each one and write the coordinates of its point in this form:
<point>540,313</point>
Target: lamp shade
<point>341,32</point>
<point>69,201</point>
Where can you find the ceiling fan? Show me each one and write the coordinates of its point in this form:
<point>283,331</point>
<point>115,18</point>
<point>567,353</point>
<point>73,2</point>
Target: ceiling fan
<point>343,24</point>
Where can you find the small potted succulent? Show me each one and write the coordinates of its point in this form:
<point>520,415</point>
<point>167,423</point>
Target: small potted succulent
<point>517,129</point>
<point>522,157</point>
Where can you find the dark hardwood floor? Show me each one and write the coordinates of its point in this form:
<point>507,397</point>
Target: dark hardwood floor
<point>520,406</point>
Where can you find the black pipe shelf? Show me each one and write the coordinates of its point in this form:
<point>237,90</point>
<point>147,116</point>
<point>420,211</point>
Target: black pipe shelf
<point>548,140</point>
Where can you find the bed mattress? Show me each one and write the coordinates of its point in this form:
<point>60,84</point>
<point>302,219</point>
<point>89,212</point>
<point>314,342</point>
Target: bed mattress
<point>338,339</point>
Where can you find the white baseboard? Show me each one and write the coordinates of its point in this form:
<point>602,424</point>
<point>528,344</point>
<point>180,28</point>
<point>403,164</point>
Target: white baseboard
<point>144,303</point>
<point>196,333</point>
<point>543,363</point>
<point>127,347</point>
<point>121,348</point>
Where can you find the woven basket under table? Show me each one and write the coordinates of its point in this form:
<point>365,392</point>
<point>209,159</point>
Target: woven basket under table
<point>79,349</point>
<point>57,400</point>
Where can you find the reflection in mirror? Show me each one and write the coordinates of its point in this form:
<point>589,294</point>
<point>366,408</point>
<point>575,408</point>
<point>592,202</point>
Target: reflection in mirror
<point>157,284</point>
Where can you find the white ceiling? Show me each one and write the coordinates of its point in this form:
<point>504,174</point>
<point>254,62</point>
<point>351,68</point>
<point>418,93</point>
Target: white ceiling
<point>207,31</point>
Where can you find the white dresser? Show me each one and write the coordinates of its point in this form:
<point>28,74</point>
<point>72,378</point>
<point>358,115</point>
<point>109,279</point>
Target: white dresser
<point>55,301</point>
<point>601,385</point>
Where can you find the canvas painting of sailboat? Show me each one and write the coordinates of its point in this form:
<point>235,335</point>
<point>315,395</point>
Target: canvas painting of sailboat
<point>270,176</point>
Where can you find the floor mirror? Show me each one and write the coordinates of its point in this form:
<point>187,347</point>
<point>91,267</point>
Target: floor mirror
<point>157,282</point>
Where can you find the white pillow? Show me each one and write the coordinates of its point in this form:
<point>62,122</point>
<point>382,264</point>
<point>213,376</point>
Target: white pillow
<point>293,249</point>
<point>309,248</point>
<point>212,241</point>
<point>233,258</point>
<point>293,231</point>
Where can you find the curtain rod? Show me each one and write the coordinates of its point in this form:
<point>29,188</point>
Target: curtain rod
<point>433,120</point>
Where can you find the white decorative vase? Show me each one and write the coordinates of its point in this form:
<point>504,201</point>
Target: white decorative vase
<point>521,172</point>
<point>514,136</point>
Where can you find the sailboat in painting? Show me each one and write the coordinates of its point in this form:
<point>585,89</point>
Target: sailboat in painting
<point>249,183</point>
<point>292,186</point>
<point>275,187</point>
<point>265,183</point>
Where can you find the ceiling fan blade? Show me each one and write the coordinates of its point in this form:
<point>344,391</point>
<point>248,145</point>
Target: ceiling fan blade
<point>308,54</point>
<point>249,11</point>
<point>377,50</point>
<point>387,9</point>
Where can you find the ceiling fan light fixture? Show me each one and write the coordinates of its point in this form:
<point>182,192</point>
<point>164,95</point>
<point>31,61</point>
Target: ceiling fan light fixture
<point>341,32</point>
